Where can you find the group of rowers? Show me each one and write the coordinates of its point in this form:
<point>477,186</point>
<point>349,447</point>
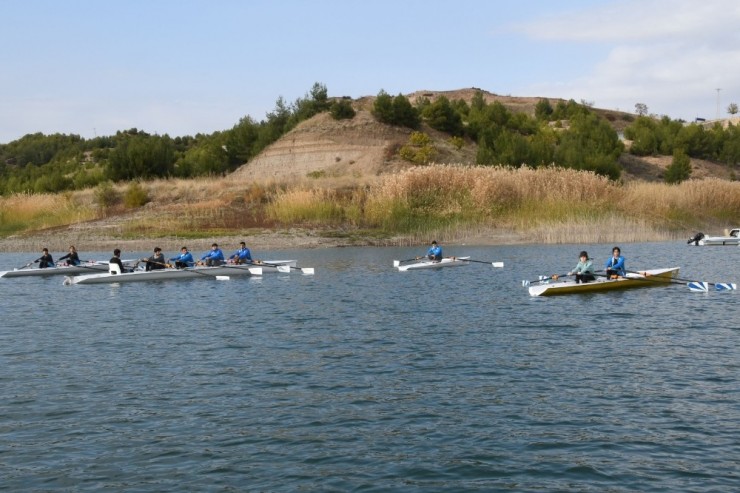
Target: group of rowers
<point>212,258</point>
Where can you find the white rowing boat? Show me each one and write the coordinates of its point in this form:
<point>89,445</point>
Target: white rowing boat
<point>67,270</point>
<point>642,279</point>
<point>220,272</point>
<point>433,264</point>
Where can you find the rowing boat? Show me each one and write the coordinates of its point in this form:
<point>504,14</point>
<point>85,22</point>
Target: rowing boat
<point>67,270</point>
<point>218,272</point>
<point>435,264</point>
<point>654,277</point>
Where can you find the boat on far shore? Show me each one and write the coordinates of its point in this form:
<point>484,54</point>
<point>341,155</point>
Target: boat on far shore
<point>731,238</point>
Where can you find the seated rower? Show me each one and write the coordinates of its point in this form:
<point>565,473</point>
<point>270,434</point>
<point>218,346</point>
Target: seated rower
<point>241,256</point>
<point>434,252</point>
<point>185,259</point>
<point>615,265</point>
<point>584,271</point>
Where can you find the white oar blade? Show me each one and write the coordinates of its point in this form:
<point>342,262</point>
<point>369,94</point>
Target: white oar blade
<point>725,286</point>
<point>222,278</point>
<point>255,271</point>
<point>283,268</point>
<point>497,264</point>
<point>525,283</point>
<point>698,287</point>
<point>396,263</point>
<point>307,270</point>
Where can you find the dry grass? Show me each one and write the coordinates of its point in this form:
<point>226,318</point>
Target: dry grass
<point>40,211</point>
<point>452,203</point>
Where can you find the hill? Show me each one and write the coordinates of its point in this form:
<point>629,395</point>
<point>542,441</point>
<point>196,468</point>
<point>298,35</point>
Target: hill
<point>363,147</point>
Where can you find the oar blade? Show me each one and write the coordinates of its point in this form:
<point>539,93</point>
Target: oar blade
<point>725,286</point>
<point>307,270</point>
<point>222,278</point>
<point>698,287</point>
<point>283,268</point>
<point>525,283</point>
<point>255,271</point>
<point>497,264</point>
<point>396,263</point>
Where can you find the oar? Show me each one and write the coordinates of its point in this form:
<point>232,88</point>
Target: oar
<point>541,279</point>
<point>396,263</point>
<point>29,264</point>
<point>696,286</point>
<point>495,264</point>
<point>286,268</point>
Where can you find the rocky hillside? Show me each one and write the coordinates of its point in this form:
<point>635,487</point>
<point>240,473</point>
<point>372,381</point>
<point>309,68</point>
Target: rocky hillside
<point>362,147</point>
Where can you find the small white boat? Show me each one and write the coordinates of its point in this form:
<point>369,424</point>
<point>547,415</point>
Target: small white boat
<point>220,272</point>
<point>432,264</point>
<point>67,270</point>
<point>732,238</point>
<point>642,279</point>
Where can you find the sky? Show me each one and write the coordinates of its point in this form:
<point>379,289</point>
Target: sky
<point>182,67</point>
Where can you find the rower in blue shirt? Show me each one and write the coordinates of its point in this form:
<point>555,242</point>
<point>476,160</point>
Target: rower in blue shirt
<point>214,257</point>
<point>185,259</point>
<point>434,252</point>
<point>615,265</point>
<point>241,256</point>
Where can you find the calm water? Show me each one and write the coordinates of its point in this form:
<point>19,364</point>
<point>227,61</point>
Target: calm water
<point>361,378</point>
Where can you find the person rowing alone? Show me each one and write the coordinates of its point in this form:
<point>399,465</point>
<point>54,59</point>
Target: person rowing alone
<point>435,252</point>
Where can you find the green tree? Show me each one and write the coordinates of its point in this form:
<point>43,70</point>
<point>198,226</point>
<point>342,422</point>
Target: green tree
<point>142,156</point>
<point>679,169</point>
<point>342,110</point>
<point>543,110</point>
<point>440,115</point>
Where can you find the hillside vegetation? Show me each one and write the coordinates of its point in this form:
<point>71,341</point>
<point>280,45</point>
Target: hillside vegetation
<point>465,159</point>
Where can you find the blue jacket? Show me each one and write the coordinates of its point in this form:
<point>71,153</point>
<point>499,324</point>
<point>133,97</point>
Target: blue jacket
<point>185,258</point>
<point>243,254</point>
<point>216,254</point>
<point>616,264</point>
<point>435,251</point>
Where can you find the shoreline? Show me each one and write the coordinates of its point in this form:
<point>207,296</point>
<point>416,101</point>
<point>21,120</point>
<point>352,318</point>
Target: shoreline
<point>284,239</point>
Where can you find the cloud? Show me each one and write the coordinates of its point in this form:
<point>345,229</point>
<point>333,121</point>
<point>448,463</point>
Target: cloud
<point>670,55</point>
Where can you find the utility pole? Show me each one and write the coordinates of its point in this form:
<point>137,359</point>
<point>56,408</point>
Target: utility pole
<point>718,90</point>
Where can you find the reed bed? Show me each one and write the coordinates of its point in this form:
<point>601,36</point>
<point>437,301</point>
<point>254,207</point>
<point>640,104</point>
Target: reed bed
<point>449,203</point>
<point>23,211</point>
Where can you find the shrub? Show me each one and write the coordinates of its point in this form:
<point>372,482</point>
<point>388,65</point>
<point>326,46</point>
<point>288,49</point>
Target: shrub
<point>105,195</point>
<point>135,195</point>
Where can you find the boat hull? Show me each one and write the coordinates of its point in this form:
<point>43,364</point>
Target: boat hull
<point>165,274</point>
<point>430,264</point>
<point>649,278</point>
<point>72,270</point>
<point>719,241</point>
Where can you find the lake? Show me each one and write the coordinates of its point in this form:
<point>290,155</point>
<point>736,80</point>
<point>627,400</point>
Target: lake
<point>362,378</point>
